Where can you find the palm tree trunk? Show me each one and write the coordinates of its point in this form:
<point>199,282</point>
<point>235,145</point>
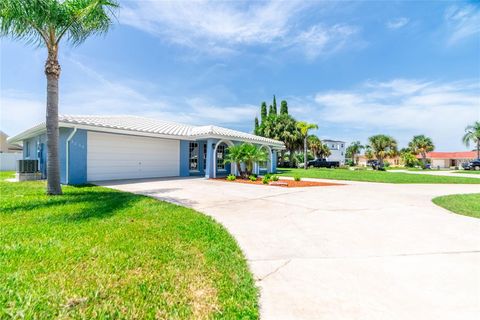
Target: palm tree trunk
<point>424,160</point>
<point>305,153</point>
<point>52,71</point>
<point>478,148</point>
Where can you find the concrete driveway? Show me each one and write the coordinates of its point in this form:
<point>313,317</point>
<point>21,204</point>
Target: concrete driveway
<point>353,251</point>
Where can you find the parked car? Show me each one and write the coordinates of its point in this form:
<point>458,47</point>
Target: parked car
<point>322,163</point>
<point>472,165</point>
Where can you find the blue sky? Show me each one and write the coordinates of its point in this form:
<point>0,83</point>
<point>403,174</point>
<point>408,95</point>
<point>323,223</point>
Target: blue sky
<point>354,68</point>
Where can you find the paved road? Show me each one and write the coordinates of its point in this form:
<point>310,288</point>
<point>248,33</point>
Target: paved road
<point>352,251</point>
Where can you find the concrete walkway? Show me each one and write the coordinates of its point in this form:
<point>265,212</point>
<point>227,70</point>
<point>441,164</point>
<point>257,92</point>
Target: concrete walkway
<point>352,251</point>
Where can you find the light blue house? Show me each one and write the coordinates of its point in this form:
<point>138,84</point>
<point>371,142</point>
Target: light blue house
<point>96,148</point>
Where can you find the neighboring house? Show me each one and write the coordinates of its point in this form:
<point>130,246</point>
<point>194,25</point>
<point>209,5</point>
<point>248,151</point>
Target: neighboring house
<point>337,149</point>
<point>394,161</point>
<point>94,148</point>
<point>449,159</point>
<point>6,147</point>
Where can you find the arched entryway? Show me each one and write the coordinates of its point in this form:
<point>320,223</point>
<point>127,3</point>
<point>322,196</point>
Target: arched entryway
<point>268,165</point>
<point>219,153</point>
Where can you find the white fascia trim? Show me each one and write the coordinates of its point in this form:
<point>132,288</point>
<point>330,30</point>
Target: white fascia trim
<point>206,137</point>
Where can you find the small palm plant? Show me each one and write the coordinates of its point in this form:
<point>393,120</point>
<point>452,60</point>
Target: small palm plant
<point>382,146</point>
<point>47,23</point>
<point>304,127</point>
<point>421,145</point>
<point>247,154</point>
<point>472,134</point>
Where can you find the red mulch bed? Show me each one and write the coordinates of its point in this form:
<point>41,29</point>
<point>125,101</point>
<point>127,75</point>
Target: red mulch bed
<point>289,183</point>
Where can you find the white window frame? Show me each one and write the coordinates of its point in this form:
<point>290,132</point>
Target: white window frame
<point>221,165</point>
<point>192,157</point>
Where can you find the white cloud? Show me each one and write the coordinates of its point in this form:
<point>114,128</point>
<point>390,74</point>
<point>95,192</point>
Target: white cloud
<point>221,28</point>
<point>322,40</point>
<point>397,23</point>
<point>462,22</point>
<point>405,107</point>
<point>97,94</point>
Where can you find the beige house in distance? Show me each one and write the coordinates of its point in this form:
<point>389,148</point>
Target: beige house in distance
<point>6,147</point>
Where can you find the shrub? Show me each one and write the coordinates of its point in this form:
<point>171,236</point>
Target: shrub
<point>274,178</point>
<point>252,178</point>
<point>297,178</point>
<point>268,176</point>
<point>386,164</point>
<point>265,179</point>
<point>231,177</point>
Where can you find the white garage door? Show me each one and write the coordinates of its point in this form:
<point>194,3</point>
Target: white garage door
<point>115,156</point>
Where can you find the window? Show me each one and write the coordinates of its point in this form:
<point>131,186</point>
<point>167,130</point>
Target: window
<point>27,149</point>
<point>342,145</point>
<point>193,156</point>
<point>220,157</point>
<point>204,157</point>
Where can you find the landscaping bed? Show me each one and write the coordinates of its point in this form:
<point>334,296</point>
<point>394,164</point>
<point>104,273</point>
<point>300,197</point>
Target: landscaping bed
<point>282,183</point>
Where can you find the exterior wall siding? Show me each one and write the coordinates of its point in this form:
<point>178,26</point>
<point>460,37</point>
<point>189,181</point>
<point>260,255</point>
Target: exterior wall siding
<point>78,156</point>
<point>337,149</point>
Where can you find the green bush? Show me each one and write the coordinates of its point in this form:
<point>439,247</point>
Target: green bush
<point>231,177</point>
<point>386,164</point>
<point>252,178</point>
<point>265,179</point>
<point>297,178</point>
<point>274,177</point>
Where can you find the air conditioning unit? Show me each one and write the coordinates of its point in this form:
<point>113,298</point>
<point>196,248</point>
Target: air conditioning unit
<point>27,166</point>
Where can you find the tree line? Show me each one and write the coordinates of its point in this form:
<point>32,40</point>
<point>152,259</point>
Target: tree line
<point>280,125</point>
<point>295,135</point>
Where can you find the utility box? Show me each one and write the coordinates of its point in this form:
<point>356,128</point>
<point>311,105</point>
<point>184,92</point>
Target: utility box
<point>27,170</point>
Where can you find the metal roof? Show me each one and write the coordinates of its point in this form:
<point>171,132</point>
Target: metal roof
<point>154,127</point>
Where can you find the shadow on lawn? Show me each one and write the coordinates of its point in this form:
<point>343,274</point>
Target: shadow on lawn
<point>77,205</point>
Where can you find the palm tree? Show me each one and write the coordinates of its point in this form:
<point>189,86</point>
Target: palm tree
<point>314,144</point>
<point>472,134</point>
<point>46,23</point>
<point>324,151</point>
<point>421,145</point>
<point>245,153</point>
<point>304,127</point>
<point>382,146</point>
<point>354,149</point>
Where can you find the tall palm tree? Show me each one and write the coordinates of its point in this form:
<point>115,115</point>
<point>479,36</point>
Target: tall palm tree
<point>304,127</point>
<point>354,149</point>
<point>382,146</point>
<point>472,134</point>
<point>421,145</point>
<point>47,23</point>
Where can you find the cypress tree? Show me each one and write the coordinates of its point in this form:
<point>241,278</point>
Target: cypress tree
<point>270,111</point>
<point>274,104</point>
<point>256,126</point>
<point>283,107</point>
<point>263,111</point>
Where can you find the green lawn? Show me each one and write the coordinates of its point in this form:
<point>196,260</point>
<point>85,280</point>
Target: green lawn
<point>105,254</point>
<point>465,204</point>
<point>468,171</point>
<point>374,176</point>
